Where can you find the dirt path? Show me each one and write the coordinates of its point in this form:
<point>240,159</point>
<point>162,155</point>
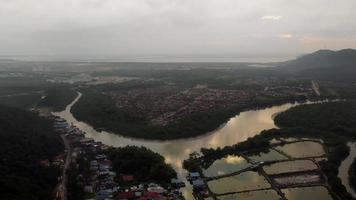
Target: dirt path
<point>316,88</point>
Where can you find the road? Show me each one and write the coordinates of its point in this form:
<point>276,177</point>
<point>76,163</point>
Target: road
<point>62,189</point>
<point>316,88</point>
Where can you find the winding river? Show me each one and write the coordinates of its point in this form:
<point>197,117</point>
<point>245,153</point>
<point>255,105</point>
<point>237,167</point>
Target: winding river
<point>344,169</point>
<point>239,128</point>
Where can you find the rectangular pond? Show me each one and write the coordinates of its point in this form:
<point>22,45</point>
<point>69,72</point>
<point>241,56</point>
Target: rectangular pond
<point>226,165</point>
<point>257,195</point>
<point>244,181</point>
<point>319,193</point>
<point>302,149</point>
<point>297,179</point>
<point>290,166</point>
<point>267,156</point>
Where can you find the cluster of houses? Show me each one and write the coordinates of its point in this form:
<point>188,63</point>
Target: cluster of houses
<point>99,181</point>
<point>200,189</point>
<point>195,100</point>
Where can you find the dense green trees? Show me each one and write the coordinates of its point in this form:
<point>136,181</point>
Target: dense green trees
<point>336,117</point>
<point>142,163</point>
<point>58,98</point>
<point>25,140</point>
<point>26,92</point>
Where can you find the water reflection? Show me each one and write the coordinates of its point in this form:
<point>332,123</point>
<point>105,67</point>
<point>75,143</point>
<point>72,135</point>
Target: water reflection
<point>265,194</point>
<point>239,128</point>
<point>317,192</point>
<point>344,169</point>
<point>302,149</point>
<point>246,181</point>
<point>226,165</point>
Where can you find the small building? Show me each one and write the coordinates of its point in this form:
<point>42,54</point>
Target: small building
<point>177,183</point>
<point>198,184</point>
<point>125,195</point>
<point>88,189</point>
<point>194,176</point>
<point>127,178</point>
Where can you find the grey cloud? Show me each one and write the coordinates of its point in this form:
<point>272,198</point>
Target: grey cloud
<point>174,26</point>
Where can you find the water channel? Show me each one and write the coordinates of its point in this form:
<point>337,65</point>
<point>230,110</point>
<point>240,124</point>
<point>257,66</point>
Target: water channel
<point>344,169</point>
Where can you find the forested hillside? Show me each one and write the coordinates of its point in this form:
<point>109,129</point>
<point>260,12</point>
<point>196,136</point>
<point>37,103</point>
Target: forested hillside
<point>325,65</point>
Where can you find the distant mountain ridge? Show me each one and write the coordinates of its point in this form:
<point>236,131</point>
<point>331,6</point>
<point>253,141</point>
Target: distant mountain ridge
<point>325,64</point>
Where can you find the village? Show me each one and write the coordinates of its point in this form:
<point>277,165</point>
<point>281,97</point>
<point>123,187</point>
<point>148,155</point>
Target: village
<point>97,178</point>
<point>161,102</point>
<point>167,103</point>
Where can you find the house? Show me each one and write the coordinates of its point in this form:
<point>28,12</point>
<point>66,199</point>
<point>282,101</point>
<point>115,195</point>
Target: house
<point>127,178</point>
<point>126,195</point>
<point>88,189</point>
<point>105,165</point>
<point>193,176</point>
<point>100,157</point>
<point>94,166</point>
<point>44,163</point>
<point>86,140</point>
<point>103,194</point>
<point>152,187</point>
<point>177,183</point>
<point>149,196</point>
<point>198,184</point>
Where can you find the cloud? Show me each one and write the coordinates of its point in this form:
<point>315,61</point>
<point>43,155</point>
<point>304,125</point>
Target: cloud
<point>173,26</point>
<point>271,17</point>
<point>286,36</point>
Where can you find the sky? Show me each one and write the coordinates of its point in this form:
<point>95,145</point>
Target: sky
<point>175,27</point>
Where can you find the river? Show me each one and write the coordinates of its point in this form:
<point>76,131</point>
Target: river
<point>344,169</point>
<point>239,128</point>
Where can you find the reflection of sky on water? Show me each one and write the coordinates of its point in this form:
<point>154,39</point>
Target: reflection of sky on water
<point>226,165</point>
<point>270,155</point>
<point>237,129</point>
<point>244,181</point>
<point>302,149</point>
<point>265,194</point>
<point>234,160</point>
<point>307,193</point>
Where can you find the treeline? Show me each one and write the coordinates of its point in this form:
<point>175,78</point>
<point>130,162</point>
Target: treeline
<point>25,141</point>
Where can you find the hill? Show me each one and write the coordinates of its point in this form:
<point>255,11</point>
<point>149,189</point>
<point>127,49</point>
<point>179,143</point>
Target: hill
<point>325,64</point>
